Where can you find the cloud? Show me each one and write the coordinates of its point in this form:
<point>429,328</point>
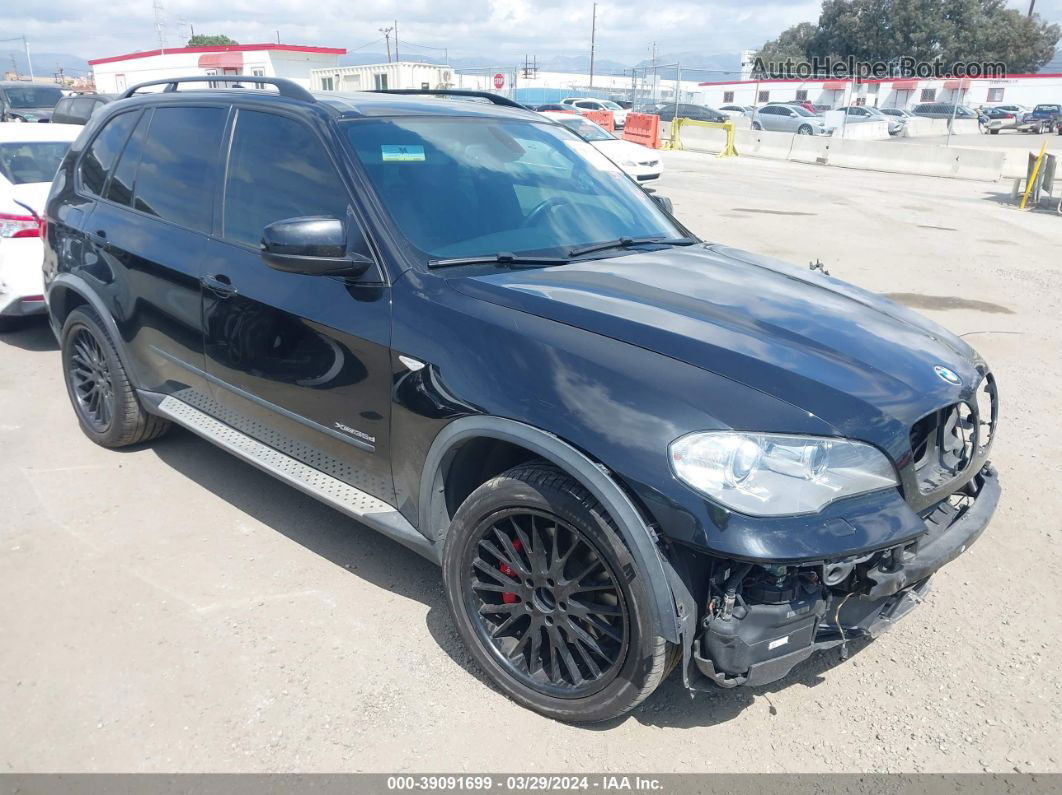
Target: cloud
<point>502,29</point>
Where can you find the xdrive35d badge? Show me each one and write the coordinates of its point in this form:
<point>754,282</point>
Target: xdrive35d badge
<point>630,450</point>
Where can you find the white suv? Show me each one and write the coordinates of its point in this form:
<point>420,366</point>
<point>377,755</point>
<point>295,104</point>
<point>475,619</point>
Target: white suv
<point>583,104</point>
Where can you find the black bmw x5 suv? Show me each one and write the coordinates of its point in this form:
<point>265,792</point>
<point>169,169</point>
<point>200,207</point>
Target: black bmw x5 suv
<point>457,322</point>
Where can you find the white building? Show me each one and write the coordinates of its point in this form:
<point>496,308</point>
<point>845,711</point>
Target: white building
<point>888,93</point>
<point>379,76</point>
<point>295,62</point>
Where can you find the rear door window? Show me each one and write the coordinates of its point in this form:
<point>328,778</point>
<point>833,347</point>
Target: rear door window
<point>103,152</point>
<point>179,158</point>
<point>120,189</point>
<point>278,168</point>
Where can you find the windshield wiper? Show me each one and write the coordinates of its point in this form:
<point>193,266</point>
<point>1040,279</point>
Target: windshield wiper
<point>627,242</point>
<point>501,258</point>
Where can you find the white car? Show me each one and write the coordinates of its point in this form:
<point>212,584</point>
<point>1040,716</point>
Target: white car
<point>29,157</point>
<point>736,111</point>
<point>637,161</point>
<point>583,104</point>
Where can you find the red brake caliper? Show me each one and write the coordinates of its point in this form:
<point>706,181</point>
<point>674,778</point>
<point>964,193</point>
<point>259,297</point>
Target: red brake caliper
<point>508,597</point>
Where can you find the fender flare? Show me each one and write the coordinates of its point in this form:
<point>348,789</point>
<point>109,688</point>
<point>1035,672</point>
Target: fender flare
<point>80,287</point>
<point>672,605</point>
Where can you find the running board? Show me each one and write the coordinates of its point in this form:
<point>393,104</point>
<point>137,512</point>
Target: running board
<point>355,503</point>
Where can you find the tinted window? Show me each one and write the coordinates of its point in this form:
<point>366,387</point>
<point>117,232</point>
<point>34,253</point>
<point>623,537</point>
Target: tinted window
<point>120,188</point>
<point>177,165</point>
<point>278,169</point>
<point>32,96</point>
<point>104,150</point>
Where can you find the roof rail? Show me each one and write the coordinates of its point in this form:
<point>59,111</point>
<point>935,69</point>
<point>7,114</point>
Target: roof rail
<point>497,99</point>
<point>285,87</point>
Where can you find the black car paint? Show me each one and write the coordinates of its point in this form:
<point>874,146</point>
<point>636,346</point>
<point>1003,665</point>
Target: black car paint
<point>613,358</point>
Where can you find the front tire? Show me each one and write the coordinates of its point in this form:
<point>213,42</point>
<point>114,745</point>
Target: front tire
<point>756,126</point>
<point>804,130</point>
<point>104,400</point>
<point>547,598</point>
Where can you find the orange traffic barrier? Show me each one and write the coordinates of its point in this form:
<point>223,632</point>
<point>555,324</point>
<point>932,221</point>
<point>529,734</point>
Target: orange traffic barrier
<point>603,118</point>
<point>643,128</point>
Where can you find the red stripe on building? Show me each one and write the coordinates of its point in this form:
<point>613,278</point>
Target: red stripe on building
<point>222,48</point>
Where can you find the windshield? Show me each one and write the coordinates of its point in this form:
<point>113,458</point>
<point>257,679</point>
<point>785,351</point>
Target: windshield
<point>32,96</point>
<point>1047,108</point>
<point>610,105</point>
<point>477,187</point>
<point>801,111</point>
<point>585,129</point>
<point>31,162</point>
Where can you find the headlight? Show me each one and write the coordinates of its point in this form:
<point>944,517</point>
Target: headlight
<point>769,474</point>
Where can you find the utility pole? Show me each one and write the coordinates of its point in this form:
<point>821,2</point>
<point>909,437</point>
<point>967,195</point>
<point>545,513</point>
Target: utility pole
<point>160,23</point>
<point>387,35</point>
<point>1032,5</point>
<point>593,37</point>
<point>29,61</point>
<point>397,59</point>
<point>654,73</point>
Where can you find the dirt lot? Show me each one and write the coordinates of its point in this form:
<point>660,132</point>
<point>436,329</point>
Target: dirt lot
<point>172,609</point>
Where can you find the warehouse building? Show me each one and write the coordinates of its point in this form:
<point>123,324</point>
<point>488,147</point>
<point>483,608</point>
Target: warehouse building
<point>296,62</point>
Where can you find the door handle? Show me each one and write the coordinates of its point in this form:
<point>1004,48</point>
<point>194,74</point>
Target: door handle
<point>219,284</point>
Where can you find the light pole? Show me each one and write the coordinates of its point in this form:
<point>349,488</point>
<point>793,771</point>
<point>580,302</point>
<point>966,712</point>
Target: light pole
<point>25,45</point>
<point>593,36</point>
<point>387,35</point>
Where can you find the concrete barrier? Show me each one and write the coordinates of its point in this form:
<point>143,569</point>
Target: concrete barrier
<point>919,126</point>
<point>810,149</point>
<point>760,143</point>
<point>863,131</point>
<point>930,160</point>
<point>703,139</point>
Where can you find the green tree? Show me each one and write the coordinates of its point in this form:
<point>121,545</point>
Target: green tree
<point>949,31</point>
<point>216,40</point>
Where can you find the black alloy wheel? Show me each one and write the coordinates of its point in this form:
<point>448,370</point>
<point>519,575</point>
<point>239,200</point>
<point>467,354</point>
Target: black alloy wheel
<point>90,381</point>
<point>548,604</point>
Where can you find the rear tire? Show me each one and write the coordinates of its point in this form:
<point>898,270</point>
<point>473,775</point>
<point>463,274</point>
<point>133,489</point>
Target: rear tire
<point>756,126</point>
<point>578,647</point>
<point>106,405</point>
<point>804,129</point>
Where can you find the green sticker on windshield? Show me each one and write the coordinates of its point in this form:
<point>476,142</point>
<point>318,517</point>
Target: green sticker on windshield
<point>392,153</point>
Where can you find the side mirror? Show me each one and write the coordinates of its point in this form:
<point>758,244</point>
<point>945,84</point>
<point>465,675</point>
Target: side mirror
<point>663,202</point>
<point>314,246</point>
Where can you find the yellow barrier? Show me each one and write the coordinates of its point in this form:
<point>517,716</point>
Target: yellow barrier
<point>675,140</point>
<point>1032,179</point>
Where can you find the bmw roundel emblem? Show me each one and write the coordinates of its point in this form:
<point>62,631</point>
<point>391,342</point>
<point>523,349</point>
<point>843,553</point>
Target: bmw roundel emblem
<point>947,375</point>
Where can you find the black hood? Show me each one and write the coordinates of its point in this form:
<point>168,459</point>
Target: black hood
<point>862,363</point>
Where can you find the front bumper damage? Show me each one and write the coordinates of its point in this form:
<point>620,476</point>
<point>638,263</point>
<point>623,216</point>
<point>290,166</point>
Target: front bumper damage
<point>761,621</point>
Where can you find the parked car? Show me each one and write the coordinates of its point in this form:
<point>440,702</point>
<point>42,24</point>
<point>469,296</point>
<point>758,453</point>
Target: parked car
<point>996,119</point>
<point>554,106</point>
<point>581,105</point>
<point>626,104</point>
<point>78,108</point>
<point>898,113</point>
<point>30,154</point>
<point>943,110</point>
<point>628,449</point>
<point>737,111</point>
<point>789,118</point>
<point>637,161</point>
<point>800,103</point>
<point>861,114</point>
<point>21,101</point>
<point>1017,110</point>
<point>666,112</point>
<point>1044,118</point>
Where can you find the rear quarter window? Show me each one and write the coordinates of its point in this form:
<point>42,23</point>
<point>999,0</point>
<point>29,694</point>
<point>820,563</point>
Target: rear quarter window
<point>102,153</point>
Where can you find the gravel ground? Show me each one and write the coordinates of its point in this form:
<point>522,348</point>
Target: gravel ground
<point>172,609</point>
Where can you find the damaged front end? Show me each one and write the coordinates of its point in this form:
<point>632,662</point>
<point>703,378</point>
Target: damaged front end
<point>758,621</point>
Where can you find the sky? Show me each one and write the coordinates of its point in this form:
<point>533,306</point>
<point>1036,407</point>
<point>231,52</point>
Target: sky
<point>505,29</point>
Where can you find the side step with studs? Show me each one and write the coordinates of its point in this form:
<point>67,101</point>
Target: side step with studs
<point>355,503</point>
